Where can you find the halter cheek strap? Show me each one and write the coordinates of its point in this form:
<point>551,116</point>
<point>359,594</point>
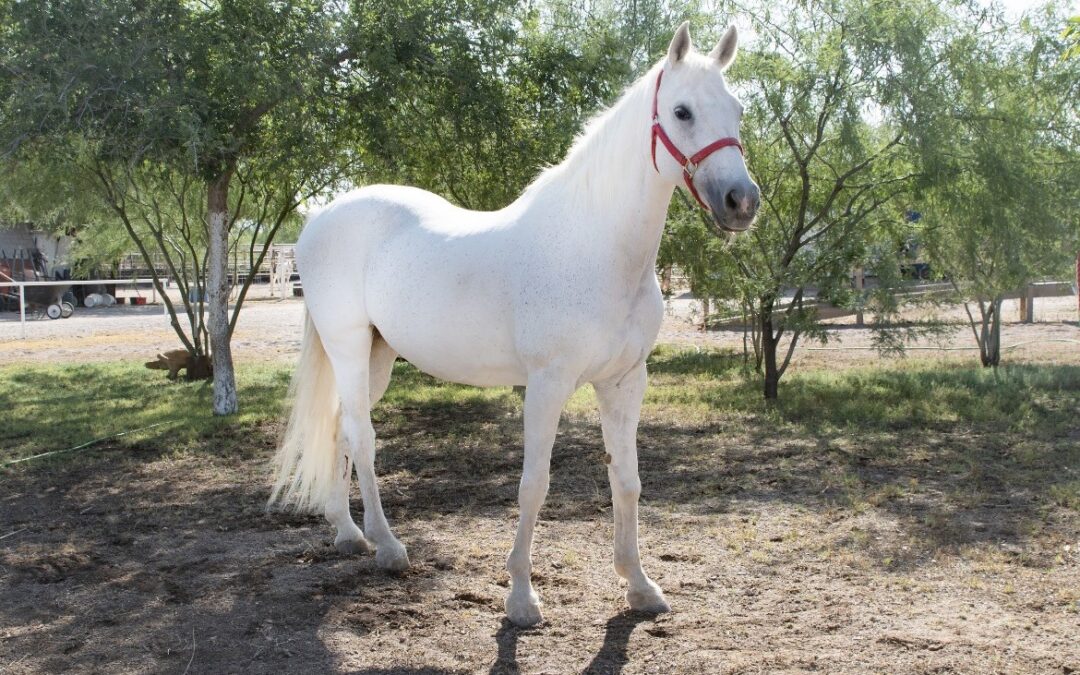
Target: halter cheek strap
<point>690,165</point>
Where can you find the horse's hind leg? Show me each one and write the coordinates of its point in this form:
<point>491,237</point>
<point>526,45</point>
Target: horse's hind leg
<point>350,539</point>
<point>357,381</point>
<point>620,408</point>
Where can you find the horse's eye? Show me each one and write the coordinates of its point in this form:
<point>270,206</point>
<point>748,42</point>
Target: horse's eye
<point>682,113</point>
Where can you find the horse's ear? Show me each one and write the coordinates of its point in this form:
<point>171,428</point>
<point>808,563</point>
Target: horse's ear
<point>680,44</point>
<point>724,52</point>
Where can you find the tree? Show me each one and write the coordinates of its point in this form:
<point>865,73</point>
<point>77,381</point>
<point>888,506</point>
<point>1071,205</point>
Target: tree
<point>1002,166</point>
<point>820,87</point>
<point>503,103</point>
<point>182,94</point>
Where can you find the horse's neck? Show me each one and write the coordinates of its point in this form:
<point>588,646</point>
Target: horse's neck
<point>614,200</point>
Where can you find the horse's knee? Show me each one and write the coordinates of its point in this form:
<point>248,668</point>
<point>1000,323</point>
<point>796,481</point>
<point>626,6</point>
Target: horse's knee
<point>625,485</point>
<point>532,492</point>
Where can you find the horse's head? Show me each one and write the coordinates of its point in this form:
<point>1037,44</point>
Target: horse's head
<point>697,121</point>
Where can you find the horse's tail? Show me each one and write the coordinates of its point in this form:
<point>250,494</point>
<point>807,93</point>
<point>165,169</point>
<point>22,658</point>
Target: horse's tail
<point>307,458</point>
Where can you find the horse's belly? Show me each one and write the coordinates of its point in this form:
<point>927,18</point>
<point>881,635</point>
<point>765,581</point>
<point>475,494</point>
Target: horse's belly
<point>454,353</point>
<point>449,318</point>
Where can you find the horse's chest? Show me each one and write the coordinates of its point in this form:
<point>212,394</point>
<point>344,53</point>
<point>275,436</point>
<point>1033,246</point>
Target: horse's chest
<point>628,331</point>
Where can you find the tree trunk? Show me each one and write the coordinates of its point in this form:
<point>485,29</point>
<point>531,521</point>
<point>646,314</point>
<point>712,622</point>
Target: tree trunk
<point>217,285</point>
<point>755,334</point>
<point>665,280</point>
<point>745,337</point>
<point>769,342</point>
<point>990,337</point>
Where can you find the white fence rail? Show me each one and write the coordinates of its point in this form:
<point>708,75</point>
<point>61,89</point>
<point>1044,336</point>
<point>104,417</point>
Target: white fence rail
<point>23,285</point>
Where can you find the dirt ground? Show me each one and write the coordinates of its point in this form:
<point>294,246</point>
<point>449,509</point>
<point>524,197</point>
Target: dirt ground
<point>901,551</point>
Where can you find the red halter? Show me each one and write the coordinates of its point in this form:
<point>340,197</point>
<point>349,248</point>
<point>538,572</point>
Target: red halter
<point>691,165</point>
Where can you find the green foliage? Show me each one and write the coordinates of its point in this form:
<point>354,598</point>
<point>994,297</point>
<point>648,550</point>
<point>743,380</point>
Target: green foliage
<point>1071,36</point>
<point>1001,167</point>
<point>168,105</point>
<point>829,176</point>
<point>520,80</point>
<point>858,112</point>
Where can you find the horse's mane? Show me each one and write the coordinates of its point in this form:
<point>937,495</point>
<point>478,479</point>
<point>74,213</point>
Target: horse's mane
<point>594,167</point>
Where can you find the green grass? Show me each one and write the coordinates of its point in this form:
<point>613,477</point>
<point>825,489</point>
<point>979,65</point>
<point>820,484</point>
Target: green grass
<point>50,407</point>
<point>56,407</point>
<point>1041,399</point>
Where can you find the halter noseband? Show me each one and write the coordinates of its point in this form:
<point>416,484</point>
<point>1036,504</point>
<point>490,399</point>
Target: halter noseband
<point>689,166</point>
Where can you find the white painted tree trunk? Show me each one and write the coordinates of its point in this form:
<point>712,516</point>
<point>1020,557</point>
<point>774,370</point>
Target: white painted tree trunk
<point>217,286</point>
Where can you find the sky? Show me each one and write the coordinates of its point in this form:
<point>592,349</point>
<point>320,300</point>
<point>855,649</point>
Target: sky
<point>1017,7</point>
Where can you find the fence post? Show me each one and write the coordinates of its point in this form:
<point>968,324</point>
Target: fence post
<point>22,310</point>
<point>860,284</point>
<point>1027,304</point>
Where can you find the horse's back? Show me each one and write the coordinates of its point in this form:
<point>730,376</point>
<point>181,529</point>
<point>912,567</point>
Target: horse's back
<point>428,275</point>
<point>359,219</point>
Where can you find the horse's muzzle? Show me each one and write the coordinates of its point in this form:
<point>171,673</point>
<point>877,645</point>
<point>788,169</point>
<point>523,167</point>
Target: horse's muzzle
<point>734,205</point>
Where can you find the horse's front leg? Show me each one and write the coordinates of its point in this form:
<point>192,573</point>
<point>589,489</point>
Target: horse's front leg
<point>620,408</point>
<point>544,399</point>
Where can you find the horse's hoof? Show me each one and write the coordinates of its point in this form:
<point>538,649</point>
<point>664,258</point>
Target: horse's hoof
<point>392,557</point>
<point>524,610</point>
<point>649,599</point>
<point>359,546</point>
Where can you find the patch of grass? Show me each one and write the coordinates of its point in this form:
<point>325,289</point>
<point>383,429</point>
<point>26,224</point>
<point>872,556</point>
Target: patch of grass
<point>1066,494</point>
<point>912,393</point>
<point>1036,398</point>
<point>694,361</point>
<point>55,407</point>
<point>59,406</point>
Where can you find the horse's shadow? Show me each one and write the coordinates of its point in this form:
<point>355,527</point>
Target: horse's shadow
<point>609,660</point>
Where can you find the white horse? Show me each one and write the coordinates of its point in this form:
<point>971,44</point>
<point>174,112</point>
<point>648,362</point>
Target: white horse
<point>553,291</point>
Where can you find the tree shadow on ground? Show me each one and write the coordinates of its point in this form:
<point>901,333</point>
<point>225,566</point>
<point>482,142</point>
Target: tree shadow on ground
<point>950,484</point>
<point>143,555</point>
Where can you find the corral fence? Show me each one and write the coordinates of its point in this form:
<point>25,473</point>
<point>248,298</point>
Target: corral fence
<point>826,310</point>
<point>23,280</point>
<point>278,262</point>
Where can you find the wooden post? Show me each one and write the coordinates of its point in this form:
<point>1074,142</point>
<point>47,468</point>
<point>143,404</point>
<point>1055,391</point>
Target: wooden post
<point>1027,304</point>
<point>860,284</point>
<point>22,310</point>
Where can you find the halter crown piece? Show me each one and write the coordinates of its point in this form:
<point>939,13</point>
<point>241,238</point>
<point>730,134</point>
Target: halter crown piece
<point>689,166</point>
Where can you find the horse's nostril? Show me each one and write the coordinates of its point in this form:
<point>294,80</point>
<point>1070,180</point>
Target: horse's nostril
<point>731,201</point>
